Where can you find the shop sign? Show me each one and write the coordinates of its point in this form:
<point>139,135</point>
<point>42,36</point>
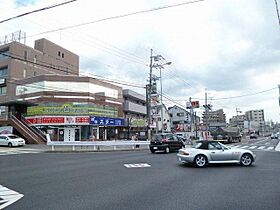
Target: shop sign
<point>138,123</point>
<point>106,121</point>
<point>71,109</point>
<point>58,120</point>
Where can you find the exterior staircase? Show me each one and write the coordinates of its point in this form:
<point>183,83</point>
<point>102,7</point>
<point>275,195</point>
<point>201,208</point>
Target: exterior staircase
<point>31,134</point>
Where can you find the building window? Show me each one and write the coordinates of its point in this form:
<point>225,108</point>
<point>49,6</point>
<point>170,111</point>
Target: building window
<point>62,55</point>
<point>59,53</point>
<point>34,73</point>
<point>3,71</point>
<point>2,110</point>
<point>4,53</point>
<point>35,59</point>
<point>25,55</point>
<point>24,73</point>
<point>3,90</point>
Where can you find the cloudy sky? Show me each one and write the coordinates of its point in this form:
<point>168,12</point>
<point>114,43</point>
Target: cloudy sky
<point>228,47</point>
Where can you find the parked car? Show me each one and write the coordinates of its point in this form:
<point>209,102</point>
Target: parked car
<point>11,140</point>
<point>206,152</point>
<point>274,136</point>
<point>166,142</point>
<point>253,136</point>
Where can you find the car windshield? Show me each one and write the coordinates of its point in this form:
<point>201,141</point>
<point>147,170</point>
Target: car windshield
<point>197,145</point>
<point>12,137</point>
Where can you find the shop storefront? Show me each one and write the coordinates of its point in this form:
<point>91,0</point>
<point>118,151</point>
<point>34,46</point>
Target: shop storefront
<point>72,127</point>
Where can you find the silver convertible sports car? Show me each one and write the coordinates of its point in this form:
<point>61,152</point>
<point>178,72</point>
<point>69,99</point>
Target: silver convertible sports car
<point>205,152</point>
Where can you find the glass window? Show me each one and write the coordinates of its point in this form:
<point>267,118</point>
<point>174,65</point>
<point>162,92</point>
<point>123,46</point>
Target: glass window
<point>25,54</point>
<point>4,53</point>
<point>3,90</point>
<point>3,71</point>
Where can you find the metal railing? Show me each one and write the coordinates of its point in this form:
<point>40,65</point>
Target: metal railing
<point>98,145</point>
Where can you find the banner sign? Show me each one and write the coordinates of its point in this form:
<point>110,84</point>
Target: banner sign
<point>106,121</point>
<point>61,120</point>
<point>72,109</point>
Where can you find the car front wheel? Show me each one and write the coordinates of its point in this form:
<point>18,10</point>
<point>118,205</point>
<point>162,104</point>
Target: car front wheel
<point>167,150</point>
<point>246,160</point>
<point>200,161</point>
<point>10,144</point>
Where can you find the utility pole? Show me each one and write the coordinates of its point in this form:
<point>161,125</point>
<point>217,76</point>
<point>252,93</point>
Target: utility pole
<point>149,101</point>
<point>206,111</point>
<point>191,115</point>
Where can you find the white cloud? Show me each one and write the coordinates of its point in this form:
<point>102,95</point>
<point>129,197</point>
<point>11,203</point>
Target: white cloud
<point>229,47</point>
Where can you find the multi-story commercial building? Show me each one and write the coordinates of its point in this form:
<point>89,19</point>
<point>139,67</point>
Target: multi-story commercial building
<point>43,86</point>
<point>214,119</point>
<point>255,115</point>
<point>135,114</point>
<point>255,121</point>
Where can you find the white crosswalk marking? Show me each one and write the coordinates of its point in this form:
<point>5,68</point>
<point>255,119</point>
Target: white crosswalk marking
<point>243,147</point>
<point>270,148</point>
<point>252,147</point>
<point>19,151</point>
<point>261,147</point>
<point>8,196</point>
<point>137,165</point>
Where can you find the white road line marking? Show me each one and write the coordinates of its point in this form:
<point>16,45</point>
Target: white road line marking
<point>261,147</point>
<point>252,147</point>
<point>137,165</point>
<point>8,196</point>
<point>270,148</point>
<point>244,147</point>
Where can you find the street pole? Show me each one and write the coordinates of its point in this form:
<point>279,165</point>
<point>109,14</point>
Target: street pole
<point>191,115</point>
<point>161,108</point>
<point>206,112</point>
<point>149,97</point>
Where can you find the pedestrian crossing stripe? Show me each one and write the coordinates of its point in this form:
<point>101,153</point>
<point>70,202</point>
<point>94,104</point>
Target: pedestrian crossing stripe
<point>253,147</point>
<point>137,165</point>
<point>8,196</point>
<point>19,152</point>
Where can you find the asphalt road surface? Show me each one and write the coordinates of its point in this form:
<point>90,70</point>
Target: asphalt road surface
<point>109,180</point>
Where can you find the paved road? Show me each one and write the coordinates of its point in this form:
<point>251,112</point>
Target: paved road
<point>102,181</point>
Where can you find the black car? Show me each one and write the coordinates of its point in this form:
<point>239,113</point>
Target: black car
<point>166,142</point>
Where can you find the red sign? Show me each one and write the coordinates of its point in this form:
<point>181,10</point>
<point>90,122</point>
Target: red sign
<point>82,119</point>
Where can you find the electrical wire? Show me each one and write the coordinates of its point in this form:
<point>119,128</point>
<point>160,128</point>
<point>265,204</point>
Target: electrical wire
<point>37,10</point>
<point>125,83</point>
<point>119,16</point>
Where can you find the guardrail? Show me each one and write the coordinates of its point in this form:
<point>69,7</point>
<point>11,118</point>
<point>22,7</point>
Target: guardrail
<point>97,145</point>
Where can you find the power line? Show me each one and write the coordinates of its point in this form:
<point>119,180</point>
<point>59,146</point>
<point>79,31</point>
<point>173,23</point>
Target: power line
<point>277,10</point>
<point>240,96</point>
<point>37,10</point>
<point>119,16</point>
<point>125,83</point>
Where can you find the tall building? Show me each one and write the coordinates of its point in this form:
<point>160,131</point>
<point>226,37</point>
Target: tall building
<point>255,115</point>
<point>255,121</point>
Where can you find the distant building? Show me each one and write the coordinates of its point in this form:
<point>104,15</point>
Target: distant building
<point>135,114</point>
<point>181,119</point>
<point>254,121</point>
<point>214,119</point>
<point>237,121</point>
